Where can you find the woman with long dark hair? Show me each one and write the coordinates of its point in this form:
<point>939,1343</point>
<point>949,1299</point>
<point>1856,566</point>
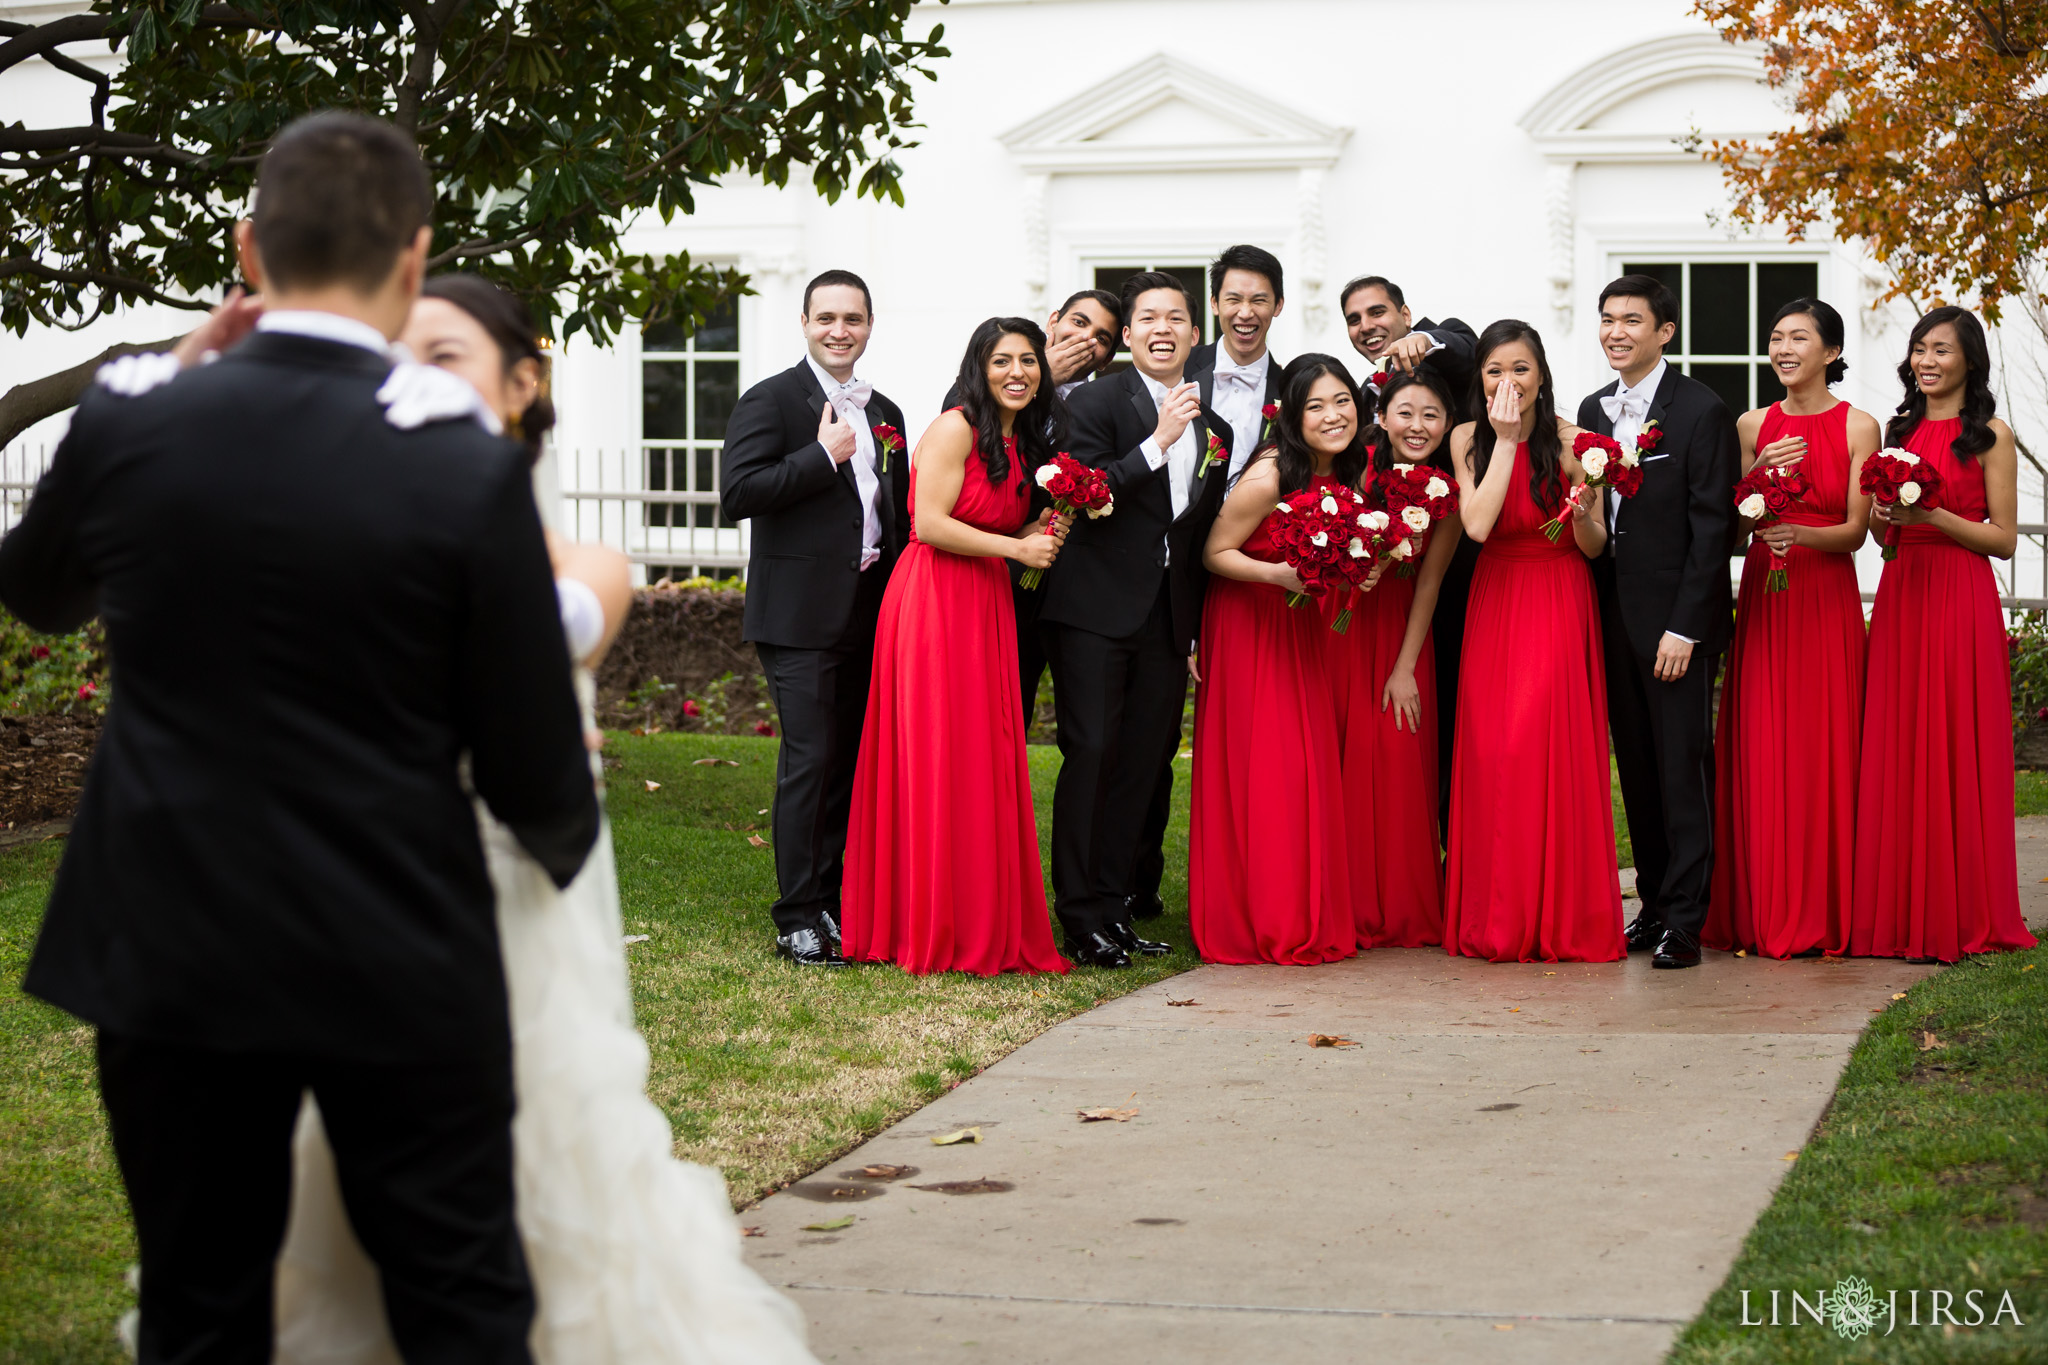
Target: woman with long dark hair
<point>1530,873</point>
<point>1383,676</point>
<point>1269,878</point>
<point>1792,699</point>
<point>1936,871</point>
<point>942,866</point>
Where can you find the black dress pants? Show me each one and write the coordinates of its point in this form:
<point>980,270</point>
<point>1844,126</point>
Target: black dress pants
<point>1447,643</point>
<point>1664,755</point>
<point>1119,706</point>
<point>821,696</point>
<point>424,1156</point>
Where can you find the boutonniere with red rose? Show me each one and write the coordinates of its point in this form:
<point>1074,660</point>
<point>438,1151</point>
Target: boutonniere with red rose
<point>890,440</point>
<point>1073,487</point>
<point>1268,416</point>
<point>1212,455</point>
<point>1607,465</point>
<point>1899,478</point>
<point>1416,496</point>
<point>1765,495</point>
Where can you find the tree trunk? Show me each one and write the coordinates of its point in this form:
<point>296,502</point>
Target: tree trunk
<point>24,405</point>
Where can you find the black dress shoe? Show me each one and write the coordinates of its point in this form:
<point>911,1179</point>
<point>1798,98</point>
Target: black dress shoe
<point>1094,950</point>
<point>828,929</point>
<point>807,949</point>
<point>1643,932</point>
<point>1143,907</point>
<point>1127,939</point>
<point>1677,949</point>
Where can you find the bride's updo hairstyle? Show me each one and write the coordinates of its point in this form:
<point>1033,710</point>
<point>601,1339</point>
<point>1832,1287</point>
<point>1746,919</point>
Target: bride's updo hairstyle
<point>1980,405</point>
<point>1383,460</point>
<point>1546,447</point>
<point>1294,458</point>
<point>509,324</point>
<point>1826,321</point>
<point>1040,429</point>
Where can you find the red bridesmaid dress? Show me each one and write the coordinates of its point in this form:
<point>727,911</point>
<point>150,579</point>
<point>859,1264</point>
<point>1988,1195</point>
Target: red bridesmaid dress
<point>1269,879</point>
<point>1531,876</point>
<point>942,870</point>
<point>1389,771</point>
<point>1936,870</point>
<point>1791,725</point>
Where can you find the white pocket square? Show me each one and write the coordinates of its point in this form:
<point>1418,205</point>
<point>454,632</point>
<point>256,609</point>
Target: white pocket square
<point>1652,459</point>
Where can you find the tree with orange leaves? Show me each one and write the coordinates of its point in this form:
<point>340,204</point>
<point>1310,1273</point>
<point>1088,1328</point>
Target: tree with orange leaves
<point>1920,126</point>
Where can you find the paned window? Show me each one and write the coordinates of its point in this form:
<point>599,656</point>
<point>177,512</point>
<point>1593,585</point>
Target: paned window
<point>1195,277</point>
<point>688,386</point>
<point>1724,328</point>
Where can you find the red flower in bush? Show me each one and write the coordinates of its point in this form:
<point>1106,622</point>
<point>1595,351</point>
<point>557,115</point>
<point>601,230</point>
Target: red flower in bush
<point>40,652</point>
<point>88,691</point>
<point>762,727</point>
<point>692,710</point>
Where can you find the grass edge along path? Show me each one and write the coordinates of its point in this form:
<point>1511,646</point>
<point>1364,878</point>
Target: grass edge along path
<point>1928,1171</point>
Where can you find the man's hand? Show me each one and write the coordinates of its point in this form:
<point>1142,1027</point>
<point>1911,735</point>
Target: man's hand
<point>1180,407</point>
<point>1193,672</point>
<point>1674,656</point>
<point>227,324</point>
<point>1069,359</point>
<point>1405,354</point>
<point>836,436</point>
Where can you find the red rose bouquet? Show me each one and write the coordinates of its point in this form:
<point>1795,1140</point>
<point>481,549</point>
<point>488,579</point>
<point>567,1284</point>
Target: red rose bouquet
<point>1415,496</point>
<point>1607,465</point>
<point>890,440</point>
<point>1765,495</point>
<point>1899,478</point>
<point>1324,539</point>
<point>1073,487</point>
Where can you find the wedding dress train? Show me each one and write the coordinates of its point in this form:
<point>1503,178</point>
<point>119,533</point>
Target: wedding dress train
<point>635,1256</point>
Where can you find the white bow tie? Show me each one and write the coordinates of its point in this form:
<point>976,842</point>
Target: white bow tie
<point>1227,373</point>
<point>855,394</point>
<point>1618,405</point>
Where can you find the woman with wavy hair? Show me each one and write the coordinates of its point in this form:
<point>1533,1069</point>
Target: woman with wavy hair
<point>1936,869</point>
<point>1530,875</point>
<point>942,870</point>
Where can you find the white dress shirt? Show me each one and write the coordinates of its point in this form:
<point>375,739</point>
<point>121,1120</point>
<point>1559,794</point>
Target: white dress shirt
<point>326,327</point>
<point>1238,396</point>
<point>1179,461</point>
<point>850,401</point>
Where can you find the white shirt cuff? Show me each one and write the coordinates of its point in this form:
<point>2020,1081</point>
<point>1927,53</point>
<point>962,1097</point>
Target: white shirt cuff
<point>1154,456</point>
<point>1436,343</point>
<point>1676,636</point>
<point>582,616</point>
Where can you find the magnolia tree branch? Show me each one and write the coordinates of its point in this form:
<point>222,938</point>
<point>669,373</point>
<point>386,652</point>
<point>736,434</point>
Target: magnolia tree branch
<point>43,39</point>
<point>24,405</point>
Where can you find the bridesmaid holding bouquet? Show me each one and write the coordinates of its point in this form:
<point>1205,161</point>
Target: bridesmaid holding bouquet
<point>942,870</point>
<point>1792,698</point>
<point>1383,677</point>
<point>1269,879</point>
<point>1936,870</point>
<point>1530,875</point>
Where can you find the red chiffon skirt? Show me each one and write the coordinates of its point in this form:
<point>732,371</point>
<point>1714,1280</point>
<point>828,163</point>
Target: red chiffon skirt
<point>1389,772</point>
<point>1268,875</point>
<point>1936,868</point>
<point>942,867</point>
<point>1785,758</point>
<point>1531,872</point>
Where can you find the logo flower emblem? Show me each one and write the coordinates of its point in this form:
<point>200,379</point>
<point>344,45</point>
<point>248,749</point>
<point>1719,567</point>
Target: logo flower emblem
<point>1852,1308</point>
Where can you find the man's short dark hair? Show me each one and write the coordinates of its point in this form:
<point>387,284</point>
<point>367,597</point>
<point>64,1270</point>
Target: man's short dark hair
<point>1394,294</point>
<point>1257,260</point>
<point>1108,300</point>
<point>840,277</point>
<point>1653,291</point>
<point>338,197</point>
<point>1144,282</point>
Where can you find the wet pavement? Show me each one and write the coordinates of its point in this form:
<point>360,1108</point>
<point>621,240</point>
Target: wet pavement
<point>1514,1163</point>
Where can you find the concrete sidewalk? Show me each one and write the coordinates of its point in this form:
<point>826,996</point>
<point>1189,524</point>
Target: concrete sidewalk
<point>1517,1163</point>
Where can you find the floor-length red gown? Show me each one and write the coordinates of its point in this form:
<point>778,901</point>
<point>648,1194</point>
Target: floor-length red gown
<point>1791,726</point>
<point>1936,870</point>
<point>1390,771</point>
<point>1530,876</point>
<point>1269,879</point>
<point>942,869</point>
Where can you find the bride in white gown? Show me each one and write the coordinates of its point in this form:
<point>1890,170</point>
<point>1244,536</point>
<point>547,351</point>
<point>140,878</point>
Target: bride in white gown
<point>635,1256</point>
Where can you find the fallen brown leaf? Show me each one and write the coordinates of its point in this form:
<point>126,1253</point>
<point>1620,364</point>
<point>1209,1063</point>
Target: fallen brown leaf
<point>884,1172</point>
<point>1789,1156</point>
<point>830,1224</point>
<point>715,763</point>
<point>1183,1002</point>
<point>1742,952</point>
<point>653,786</point>
<point>757,841</point>
<point>1100,1115</point>
<point>1899,995</point>
<point>1929,1041</point>
<point>1329,1040</point>
<point>751,1232</point>
<point>953,1139</point>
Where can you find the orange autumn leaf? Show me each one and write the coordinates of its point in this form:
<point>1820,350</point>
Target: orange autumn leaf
<point>1329,1040</point>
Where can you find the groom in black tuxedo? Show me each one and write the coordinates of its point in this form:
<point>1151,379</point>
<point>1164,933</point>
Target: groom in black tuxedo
<point>1122,613</point>
<point>275,881</point>
<point>802,461</point>
<point>1665,609</point>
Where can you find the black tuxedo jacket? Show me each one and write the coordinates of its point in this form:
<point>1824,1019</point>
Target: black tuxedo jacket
<point>1109,570</point>
<point>1672,540</point>
<point>1454,361</point>
<point>311,615</point>
<point>804,567</point>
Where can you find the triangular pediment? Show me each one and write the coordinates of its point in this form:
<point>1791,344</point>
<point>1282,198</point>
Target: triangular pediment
<point>1164,114</point>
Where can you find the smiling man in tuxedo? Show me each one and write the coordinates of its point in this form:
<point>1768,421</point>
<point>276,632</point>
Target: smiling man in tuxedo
<point>1238,374</point>
<point>1665,609</point>
<point>802,462</point>
<point>1122,613</point>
